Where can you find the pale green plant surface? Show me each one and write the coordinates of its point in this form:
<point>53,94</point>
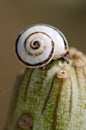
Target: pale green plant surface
<point>53,98</point>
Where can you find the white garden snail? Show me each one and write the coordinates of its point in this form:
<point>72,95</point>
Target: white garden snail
<point>39,44</point>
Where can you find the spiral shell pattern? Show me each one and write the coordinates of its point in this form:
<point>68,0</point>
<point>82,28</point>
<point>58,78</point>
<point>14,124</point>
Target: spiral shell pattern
<point>39,44</point>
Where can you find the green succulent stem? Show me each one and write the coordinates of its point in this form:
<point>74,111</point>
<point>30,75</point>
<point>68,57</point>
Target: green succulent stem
<point>51,98</point>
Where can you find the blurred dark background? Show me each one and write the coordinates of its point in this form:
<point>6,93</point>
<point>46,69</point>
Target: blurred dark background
<point>15,15</point>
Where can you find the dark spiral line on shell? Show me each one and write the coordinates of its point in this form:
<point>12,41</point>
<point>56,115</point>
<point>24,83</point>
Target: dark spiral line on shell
<point>35,45</point>
<point>34,48</point>
<point>61,34</point>
<point>36,64</point>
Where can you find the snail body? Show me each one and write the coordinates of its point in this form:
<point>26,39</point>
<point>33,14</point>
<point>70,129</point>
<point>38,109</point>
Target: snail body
<point>39,44</point>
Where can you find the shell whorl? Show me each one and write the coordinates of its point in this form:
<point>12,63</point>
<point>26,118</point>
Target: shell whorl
<point>38,45</point>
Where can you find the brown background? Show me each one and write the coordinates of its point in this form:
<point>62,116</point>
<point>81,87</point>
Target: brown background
<point>15,15</point>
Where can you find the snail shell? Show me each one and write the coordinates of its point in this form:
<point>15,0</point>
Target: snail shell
<point>39,44</point>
